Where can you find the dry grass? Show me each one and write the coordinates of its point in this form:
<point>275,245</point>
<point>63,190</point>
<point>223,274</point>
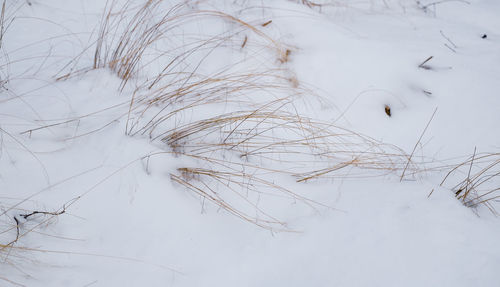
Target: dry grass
<point>238,129</point>
<point>16,222</point>
<point>248,151</point>
<point>2,23</point>
<point>13,228</point>
<point>3,28</point>
<point>476,181</point>
<point>129,40</point>
<point>241,121</point>
<point>274,135</point>
<point>254,124</point>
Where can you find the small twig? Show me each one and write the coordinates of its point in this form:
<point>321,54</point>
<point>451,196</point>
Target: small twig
<point>448,39</point>
<point>244,42</point>
<point>267,23</point>
<point>453,50</point>
<point>310,3</point>
<point>422,65</point>
<point>25,216</point>
<point>429,195</point>
<point>441,2</point>
<point>413,151</point>
<point>17,230</point>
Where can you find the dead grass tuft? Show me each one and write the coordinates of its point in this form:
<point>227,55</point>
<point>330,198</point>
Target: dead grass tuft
<point>130,40</point>
<point>476,181</point>
<point>249,151</point>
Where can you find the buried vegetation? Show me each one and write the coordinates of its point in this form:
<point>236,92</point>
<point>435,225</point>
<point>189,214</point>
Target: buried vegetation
<point>476,181</point>
<point>239,122</point>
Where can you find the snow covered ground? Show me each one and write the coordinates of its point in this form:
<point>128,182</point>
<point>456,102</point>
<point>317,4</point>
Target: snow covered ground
<point>249,143</point>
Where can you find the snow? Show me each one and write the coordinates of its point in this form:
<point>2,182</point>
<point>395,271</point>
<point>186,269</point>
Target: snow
<point>76,145</point>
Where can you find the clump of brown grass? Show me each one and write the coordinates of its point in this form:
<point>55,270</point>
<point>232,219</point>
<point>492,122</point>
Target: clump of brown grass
<point>254,131</point>
<point>131,39</point>
<point>207,184</point>
<point>273,134</point>
<point>158,106</point>
<point>248,151</point>
<point>476,181</point>
<point>238,147</point>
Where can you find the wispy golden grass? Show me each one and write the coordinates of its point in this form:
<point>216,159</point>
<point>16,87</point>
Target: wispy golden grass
<point>240,126</point>
<point>238,120</point>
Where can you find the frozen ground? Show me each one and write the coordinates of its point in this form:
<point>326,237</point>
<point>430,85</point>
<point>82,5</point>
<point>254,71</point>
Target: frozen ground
<point>71,140</point>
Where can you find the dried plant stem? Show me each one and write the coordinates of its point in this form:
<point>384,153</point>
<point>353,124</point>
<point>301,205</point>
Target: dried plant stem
<point>415,147</point>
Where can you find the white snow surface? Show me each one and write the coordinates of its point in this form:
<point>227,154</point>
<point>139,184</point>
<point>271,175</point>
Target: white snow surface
<point>127,223</point>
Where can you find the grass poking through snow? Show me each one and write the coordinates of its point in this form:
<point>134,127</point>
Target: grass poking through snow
<point>476,181</point>
<point>238,120</point>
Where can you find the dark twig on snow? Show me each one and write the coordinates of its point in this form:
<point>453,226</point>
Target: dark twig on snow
<point>26,216</point>
<point>423,66</point>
